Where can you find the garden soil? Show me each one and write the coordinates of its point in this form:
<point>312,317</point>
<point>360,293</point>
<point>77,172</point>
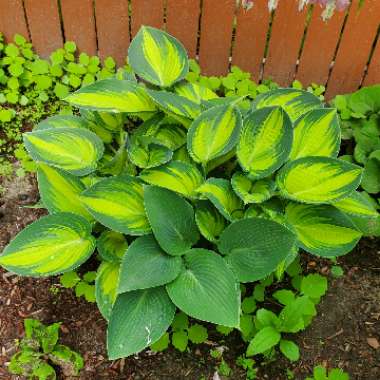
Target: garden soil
<point>346,332</point>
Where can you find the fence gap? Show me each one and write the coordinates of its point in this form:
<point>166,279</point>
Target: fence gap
<point>199,30</point>
<point>95,25</point>
<point>26,20</point>
<point>233,35</point>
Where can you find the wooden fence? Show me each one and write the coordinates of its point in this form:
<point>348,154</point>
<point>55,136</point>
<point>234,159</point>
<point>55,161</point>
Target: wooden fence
<point>342,53</point>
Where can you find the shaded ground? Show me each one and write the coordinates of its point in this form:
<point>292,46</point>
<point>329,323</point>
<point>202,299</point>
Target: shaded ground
<point>347,317</point>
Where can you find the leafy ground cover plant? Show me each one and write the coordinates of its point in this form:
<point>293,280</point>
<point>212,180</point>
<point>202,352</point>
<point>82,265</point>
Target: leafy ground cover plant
<point>321,373</point>
<point>186,196</point>
<point>40,352</point>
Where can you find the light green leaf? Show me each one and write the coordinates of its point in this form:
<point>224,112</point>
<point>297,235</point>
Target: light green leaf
<point>357,204</point>
<point>139,318</point>
<point>322,229</point>
<point>314,285</point>
<point>177,176</point>
<point>209,221</point>
<point>180,340</point>
<point>214,133</point>
<point>54,244</point>
<point>158,57</point>
<point>117,202</point>
<point>197,334</point>
<point>146,265</point>
<point>264,340</point>
<point>206,289</point>
<point>60,190</point>
<point>62,121</point>
<point>172,220</point>
<point>106,287</point>
<point>290,350</point>
<point>219,192</point>
<point>252,191</point>
<point>371,176</point>
<point>162,344</point>
<point>254,247</point>
<point>265,141</point>
<point>316,133</point>
<point>294,102</point>
<point>111,246</point>
<point>112,95</point>
<point>318,179</point>
<point>75,150</point>
<point>194,92</point>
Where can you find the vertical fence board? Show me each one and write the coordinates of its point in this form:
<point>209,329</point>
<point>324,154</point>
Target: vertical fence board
<point>359,34</point>
<point>147,12</point>
<point>251,35</point>
<point>216,34</point>
<point>319,49</point>
<point>44,25</point>
<point>79,24</point>
<point>182,22</point>
<point>285,41</point>
<point>373,74</point>
<point>112,24</point>
<point>12,19</point>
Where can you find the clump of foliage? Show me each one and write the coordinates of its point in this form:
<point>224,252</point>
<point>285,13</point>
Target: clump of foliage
<point>320,373</point>
<point>360,115</point>
<point>40,351</point>
<point>210,194</point>
<point>84,286</point>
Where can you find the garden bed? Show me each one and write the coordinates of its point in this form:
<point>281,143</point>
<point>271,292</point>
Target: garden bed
<point>348,316</point>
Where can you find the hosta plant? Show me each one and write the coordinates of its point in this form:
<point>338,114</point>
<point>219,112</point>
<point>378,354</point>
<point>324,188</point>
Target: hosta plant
<point>186,196</point>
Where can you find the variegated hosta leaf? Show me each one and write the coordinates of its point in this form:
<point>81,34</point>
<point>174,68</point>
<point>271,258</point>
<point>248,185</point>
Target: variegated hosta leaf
<point>173,136</point>
<point>62,121</point>
<point>60,190</point>
<point>322,229</point>
<point>111,246</point>
<point>117,203</point>
<point>219,161</point>
<point>112,95</point>
<point>194,92</point>
<point>358,205</point>
<point>106,282</point>
<point>146,265</point>
<point>111,121</point>
<point>224,101</point>
<point>254,247</point>
<point>214,133</point>
<point>177,176</point>
<point>295,102</point>
<point>265,141</point>
<point>252,191</point>
<point>316,133</point>
<point>75,150</point>
<point>182,155</point>
<point>209,221</point>
<point>176,105</point>
<point>158,57</point>
<point>318,179</point>
<point>138,319</point>
<point>145,152</point>
<point>53,244</point>
<point>221,195</point>
<point>207,289</point>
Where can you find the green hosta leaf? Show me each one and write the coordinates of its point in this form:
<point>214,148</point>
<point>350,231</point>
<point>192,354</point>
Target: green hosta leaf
<point>62,121</point>
<point>75,150</point>
<point>112,95</point>
<point>322,229</point>
<point>53,244</point>
<point>265,141</point>
<point>290,350</point>
<point>209,221</point>
<point>357,204</point>
<point>214,133</point>
<point>206,289</point>
<point>219,192</point>
<point>158,57</point>
<point>106,287</point>
<point>60,190</point>
<point>138,319</point>
<point>252,191</point>
<point>175,104</point>
<point>295,102</point>
<point>194,92</point>
<point>171,219</point>
<point>254,247</point>
<point>371,176</point>
<point>146,265</point>
<point>111,246</point>
<point>264,340</point>
<point>318,179</point>
<point>117,203</point>
<point>177,176</point>
<point>316,133</point>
